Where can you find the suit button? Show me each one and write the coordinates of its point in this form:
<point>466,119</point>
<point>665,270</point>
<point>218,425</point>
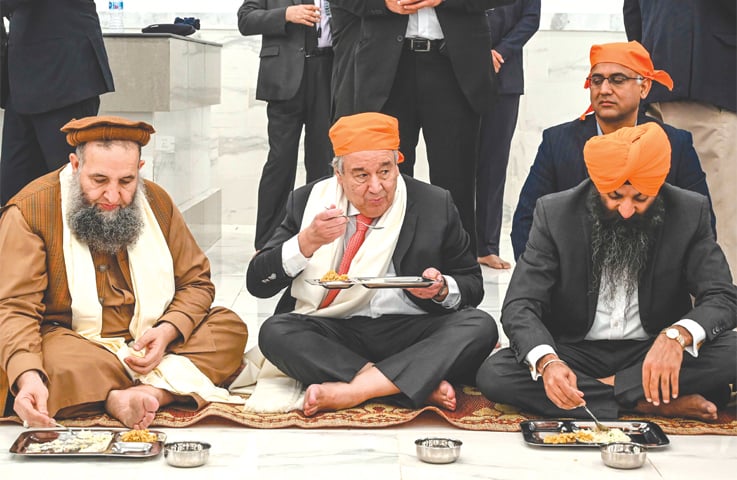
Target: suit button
<point>400,38</point>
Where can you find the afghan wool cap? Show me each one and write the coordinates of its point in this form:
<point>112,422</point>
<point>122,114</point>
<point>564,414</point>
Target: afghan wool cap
<point>631,55</point>
<point>365,131</point>
<point>639,155</point>
<point>106,128</point>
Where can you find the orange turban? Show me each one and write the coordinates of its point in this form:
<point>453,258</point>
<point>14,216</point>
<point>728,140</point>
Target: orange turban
<point>106,128</point>
<point>640,155</point>
<point>365,131</point>
<point>631,55</point>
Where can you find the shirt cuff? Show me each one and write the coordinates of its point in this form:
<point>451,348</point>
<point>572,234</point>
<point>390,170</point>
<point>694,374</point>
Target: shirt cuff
<point>536,354</point>
<point>453,299</point>
<point>697,333</point>
<point>292,259</point>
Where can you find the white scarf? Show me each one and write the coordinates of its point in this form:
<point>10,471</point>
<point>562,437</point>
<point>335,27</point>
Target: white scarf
<point>152,274</point>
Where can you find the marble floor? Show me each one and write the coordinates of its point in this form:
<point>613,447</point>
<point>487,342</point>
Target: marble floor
<point>385,454</point>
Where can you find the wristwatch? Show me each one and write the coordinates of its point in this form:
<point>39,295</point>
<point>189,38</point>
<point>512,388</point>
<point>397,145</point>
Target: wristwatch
<point>674,334</point>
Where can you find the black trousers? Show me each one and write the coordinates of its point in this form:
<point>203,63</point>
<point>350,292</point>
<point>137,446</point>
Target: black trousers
<point>415,352</point>
<point>426,95</point>
<point>497,130</point>
<point>502,379</point>
<point>310,108</point>
<point>33,145</point>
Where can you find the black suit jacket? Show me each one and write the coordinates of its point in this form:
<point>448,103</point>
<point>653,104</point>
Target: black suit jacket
<point>431,236</point>
<point>550,297</point>
<point>371,60</point>
<point>559,165</point>
<point>695,41</point>
<point>282,47</point>
<point>510,27</point>
<point>56,55</point>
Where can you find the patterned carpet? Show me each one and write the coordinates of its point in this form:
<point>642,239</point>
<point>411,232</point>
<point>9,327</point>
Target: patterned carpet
<point>474,412</point>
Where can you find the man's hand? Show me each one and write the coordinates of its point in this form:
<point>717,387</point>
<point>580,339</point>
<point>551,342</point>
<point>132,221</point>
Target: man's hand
<point>405,7</point>
<point>560,384</point>
<point>661,368</point>
<point>437,291</point>
<point>497,59</point>
<point>154,341</point>
<point>30,403</point>
<point>304,14</point>
<point>324,228</point>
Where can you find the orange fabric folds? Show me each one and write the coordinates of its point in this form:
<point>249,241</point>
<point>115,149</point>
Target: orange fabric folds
<point>365,131</point>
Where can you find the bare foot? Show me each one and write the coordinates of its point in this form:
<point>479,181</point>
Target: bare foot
<point>444,396</point>
<point>494,261</point>
<point>329,396</point>
<point>136,406</point>
<point>689,406</point>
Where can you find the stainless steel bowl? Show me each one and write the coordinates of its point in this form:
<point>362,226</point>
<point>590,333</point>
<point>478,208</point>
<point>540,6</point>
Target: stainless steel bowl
<point>186,454</point>
<point>438,450</point>
<point>623,455</point>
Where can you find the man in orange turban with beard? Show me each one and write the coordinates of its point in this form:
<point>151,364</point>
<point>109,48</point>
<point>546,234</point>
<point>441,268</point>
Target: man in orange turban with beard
<point>599,311</point>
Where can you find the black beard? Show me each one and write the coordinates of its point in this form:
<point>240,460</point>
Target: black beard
<point>621,247</point>
<point>104,232</point>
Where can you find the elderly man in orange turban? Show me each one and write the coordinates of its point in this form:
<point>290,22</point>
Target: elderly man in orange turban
<point>599,310</point>
<point>410,340</point>
<point>620,77</point>
<point>105,303</point>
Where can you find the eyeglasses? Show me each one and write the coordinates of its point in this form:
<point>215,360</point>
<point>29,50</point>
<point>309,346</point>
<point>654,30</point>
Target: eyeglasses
<point>615,80</point>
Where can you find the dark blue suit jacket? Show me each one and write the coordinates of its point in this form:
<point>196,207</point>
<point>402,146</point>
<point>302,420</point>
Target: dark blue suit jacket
<point>510,27</point>
<point>559,166</point>
<point>695,41</point>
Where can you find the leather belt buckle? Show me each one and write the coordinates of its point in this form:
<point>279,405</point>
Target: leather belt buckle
<point>420,44</point>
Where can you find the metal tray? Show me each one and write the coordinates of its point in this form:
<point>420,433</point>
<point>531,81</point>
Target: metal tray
<point>331,284</point>
<point>645,433</point>
<point>394,282</point>
<point>115,449</point>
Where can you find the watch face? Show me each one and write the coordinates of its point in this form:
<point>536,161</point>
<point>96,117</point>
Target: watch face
<point>672,333</point>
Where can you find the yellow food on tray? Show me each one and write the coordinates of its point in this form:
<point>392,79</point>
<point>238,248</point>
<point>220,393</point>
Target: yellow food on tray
<point>588,436</point>
<point>138,436</point>
<point>333,276</point>
<point>557,438</point>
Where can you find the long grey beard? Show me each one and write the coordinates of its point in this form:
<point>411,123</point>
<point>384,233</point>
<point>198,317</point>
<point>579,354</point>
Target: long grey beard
<point>621,248</point>
<point>105,232</point>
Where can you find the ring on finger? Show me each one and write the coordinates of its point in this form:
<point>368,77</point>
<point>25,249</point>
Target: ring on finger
<point>25,424</point>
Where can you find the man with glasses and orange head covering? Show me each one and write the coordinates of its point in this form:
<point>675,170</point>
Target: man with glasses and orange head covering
<point>369,221</point>
<point>620,78</point>
<point>599,311</point>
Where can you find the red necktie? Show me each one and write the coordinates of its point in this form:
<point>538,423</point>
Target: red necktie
<point>354,243</point>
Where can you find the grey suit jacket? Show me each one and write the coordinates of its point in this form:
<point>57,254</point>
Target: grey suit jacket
<point>431,236</point>
<point>549,297</point>
<point>282,47</point>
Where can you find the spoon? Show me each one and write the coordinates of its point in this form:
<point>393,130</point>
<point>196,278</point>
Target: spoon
<point>599,426</point>
<point>372,227</point>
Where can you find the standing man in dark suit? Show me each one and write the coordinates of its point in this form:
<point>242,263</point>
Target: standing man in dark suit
<point>599,305</point>
<point>294,78</point>
<point>510,28</point>
<point>427,63</point>
<point>57,68</point>
<point>696,41</point>
<point>620,78</point>
<point>367,343</point>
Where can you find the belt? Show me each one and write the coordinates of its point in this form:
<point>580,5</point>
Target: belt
<point>423,45</point>
<point>320,52</point>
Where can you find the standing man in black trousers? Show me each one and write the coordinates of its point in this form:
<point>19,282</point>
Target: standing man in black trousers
<point>57,68</point>
<point>294,78</point>
<point>510,28</point>
<point>426,63</point>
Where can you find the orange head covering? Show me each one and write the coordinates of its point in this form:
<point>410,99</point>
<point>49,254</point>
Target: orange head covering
<point>365,131</point>
<point>106,128</point>
<point>639,155</point>
<point>631,55</point>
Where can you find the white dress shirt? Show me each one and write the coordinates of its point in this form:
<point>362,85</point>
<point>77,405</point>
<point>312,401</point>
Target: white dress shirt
<point>424,24</point>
